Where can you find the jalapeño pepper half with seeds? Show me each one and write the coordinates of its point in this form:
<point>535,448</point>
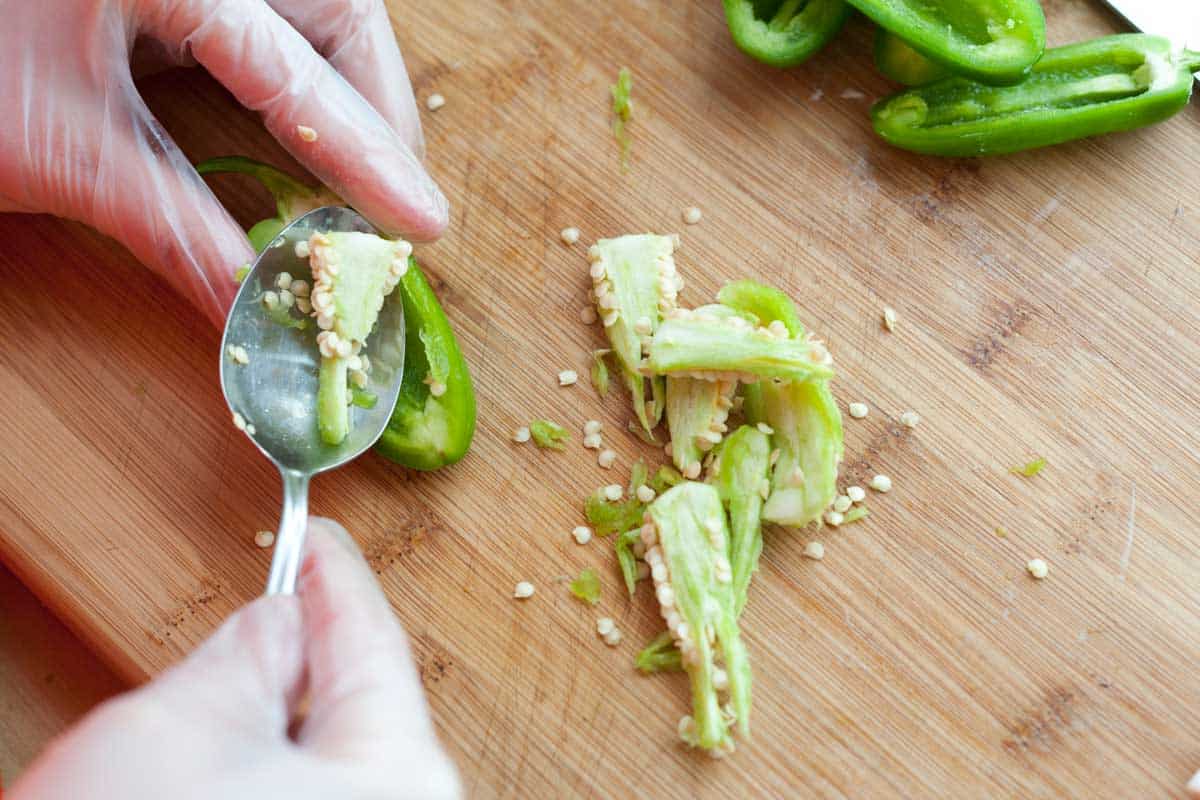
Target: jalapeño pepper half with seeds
<point>1114,83</point>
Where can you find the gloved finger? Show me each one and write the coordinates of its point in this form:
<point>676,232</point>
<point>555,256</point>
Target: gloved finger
<point>363,688</point>
<point>130,181</point>
<point>309,108</point>
<point>247,676</point>
<point>145,194</point>
<point>356,37</point>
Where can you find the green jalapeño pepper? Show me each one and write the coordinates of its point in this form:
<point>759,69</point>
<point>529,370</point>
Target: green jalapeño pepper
<point>783,33</point>
<point>1114,83</point>
<point>434,419</point>
<point>992,41</point>
<point>897,60</point>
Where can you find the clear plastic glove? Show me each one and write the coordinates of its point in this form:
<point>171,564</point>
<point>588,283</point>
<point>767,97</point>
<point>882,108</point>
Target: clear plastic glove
<point>77,140</point>
<point>216,725</point>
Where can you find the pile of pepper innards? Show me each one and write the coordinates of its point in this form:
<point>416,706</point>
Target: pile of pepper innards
<point>753,436</point>
<point>982,79</point>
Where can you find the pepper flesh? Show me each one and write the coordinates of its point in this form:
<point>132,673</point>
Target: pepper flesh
<point>897,60</point>
<point>992,41</point>
<point>696,414</point>
<point>742,468</point>
<point>690,538</point>
<point>427,430</point>
<point>1110,84</point>
<point>764,303</point>
<point>355,270</point>
<point>705,346</point>
<point>783,33</point>
<point>807,431</point>
<point>634,283</point>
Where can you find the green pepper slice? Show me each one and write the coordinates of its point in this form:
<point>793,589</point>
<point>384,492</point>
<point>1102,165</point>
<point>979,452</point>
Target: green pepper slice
<point>1110,84</point>
<point>897,60</point>
<point>992,41</point>
<point>784,33</point>
<point>434,419</point>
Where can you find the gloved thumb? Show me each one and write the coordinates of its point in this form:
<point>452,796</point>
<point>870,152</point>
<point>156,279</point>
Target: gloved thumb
<point>250,672</point>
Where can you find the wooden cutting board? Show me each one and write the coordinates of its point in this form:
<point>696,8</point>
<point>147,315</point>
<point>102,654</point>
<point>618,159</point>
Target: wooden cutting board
<point>1048,306</point>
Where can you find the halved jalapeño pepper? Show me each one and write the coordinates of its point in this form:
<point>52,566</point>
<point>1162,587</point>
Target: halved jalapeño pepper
<point>1115,83</point>
<point>993,41</point>
<point>783,33</point>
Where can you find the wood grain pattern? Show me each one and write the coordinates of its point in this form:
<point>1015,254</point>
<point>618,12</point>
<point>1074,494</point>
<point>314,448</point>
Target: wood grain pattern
<point>1047,306</point>
<point>47,678</point>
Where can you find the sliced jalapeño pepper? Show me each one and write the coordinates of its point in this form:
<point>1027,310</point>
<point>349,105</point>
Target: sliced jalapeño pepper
<point>992,41</point>
<point>784,33</point>
<point>1114,83</point>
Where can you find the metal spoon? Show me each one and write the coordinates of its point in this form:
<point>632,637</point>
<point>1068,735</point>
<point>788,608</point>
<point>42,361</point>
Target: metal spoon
<point>276,391</point>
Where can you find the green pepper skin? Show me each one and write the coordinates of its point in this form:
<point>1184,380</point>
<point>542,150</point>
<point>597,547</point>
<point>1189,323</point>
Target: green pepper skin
<point>1114,83</point>
<point>991,41</point>
<point>427,432</point>
<point>783,34</point>
<point>898,61</point>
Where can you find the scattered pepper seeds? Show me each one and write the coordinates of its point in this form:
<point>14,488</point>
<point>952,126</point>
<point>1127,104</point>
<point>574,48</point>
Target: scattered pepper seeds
<point>523,590</point>
<point>605,626</point>
<point>614,492</point>
<point>889,318</point>
<point>691,215</point>
<point>814,550</point>
<point>592,427</point>
<point>306,133</point>
<point>239,421</point>
<point>842,504</point>
<point>856,494</point>
<point>645,494</point>
<point>567,377</point>
<point>859,410</point>
<point>592,441</point>
<point>607,458</point>
<point>1038,568</point>
<point>910,419</point>
<point>521,435</point>
<point>264,539</point>
<point>435,101</point>
<point>587,315</point>
<point>569,235</point>
<point>881,483</point>
<point>765,428</point>
<point>582,534</point>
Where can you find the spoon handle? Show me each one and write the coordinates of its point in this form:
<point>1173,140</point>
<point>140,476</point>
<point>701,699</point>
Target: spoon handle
<point>293,525</point>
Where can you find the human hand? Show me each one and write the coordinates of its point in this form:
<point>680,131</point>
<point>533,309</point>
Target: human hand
<point>216,724</point>
<point>76,139</point>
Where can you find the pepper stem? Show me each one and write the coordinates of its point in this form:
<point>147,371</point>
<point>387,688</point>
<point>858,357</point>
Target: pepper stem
<point>278,183</point>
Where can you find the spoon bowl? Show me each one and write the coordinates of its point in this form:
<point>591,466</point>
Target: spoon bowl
<point>274,394</point>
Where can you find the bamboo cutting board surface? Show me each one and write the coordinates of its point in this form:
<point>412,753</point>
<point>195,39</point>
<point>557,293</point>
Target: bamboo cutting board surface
<point>1048,306</point>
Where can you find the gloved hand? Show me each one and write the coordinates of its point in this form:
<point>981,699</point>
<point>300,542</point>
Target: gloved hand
<point>76,139</point>
<point>216,725</point>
